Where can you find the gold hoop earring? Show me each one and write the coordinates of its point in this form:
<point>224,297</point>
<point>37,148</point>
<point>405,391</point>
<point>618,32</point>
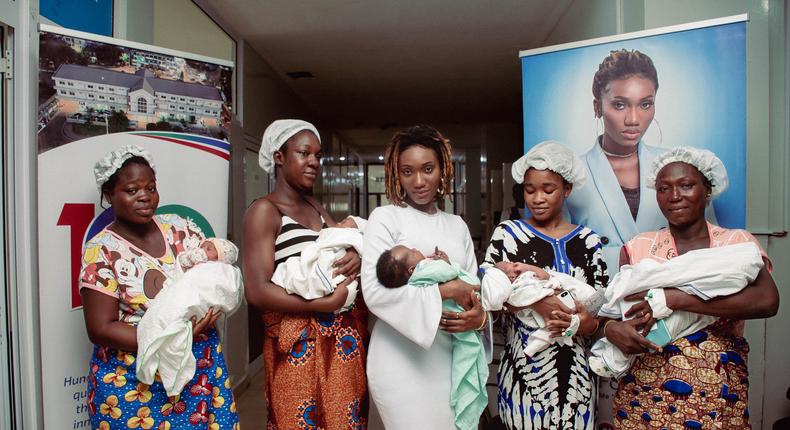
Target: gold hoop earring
<point>660,133</point>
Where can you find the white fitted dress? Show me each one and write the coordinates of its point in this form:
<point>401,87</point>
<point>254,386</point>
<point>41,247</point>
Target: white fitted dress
<point>409,359</point>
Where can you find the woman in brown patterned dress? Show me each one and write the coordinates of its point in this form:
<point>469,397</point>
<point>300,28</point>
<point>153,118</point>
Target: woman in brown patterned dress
<point>699,381</point>
<point>314,358</point>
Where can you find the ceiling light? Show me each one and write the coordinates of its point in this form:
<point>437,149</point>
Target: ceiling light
<point>342,158</point>
<point>381,158</point>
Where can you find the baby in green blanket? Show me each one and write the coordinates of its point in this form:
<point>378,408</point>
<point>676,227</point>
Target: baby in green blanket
<point>401,266</point>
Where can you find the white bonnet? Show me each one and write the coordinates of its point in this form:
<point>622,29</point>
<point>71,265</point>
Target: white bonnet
<point>554,156</point>
<point>703,160</point>
<point>227,252</point>
<point>275,136</point>
<point>110,163</point>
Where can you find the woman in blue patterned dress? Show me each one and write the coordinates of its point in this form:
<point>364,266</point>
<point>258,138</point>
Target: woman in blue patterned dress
<point>554,388</point>
<point>123,267</point>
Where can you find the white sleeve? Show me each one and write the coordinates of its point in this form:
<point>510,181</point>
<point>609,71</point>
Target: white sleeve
<point>413,312</point>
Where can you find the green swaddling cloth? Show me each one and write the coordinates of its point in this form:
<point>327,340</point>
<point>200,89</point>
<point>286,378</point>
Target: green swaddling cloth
<point>469,374</point>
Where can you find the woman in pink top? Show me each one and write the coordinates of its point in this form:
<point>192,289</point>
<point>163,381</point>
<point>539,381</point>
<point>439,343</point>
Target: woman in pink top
<point>699,381</point>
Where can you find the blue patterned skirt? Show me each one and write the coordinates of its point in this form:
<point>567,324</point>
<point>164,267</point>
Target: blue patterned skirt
<point>117,400</point>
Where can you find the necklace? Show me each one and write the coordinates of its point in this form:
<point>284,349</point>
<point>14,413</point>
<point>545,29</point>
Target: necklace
<point>613,155</point>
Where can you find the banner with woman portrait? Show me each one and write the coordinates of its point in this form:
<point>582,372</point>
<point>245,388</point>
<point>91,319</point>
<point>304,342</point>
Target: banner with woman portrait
<point>621,101</point>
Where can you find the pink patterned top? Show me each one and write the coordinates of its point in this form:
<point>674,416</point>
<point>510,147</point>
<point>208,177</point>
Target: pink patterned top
<point>112,265</point>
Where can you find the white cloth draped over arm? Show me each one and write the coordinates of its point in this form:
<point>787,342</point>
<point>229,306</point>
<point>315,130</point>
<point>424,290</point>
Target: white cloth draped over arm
<point>412,312</point>
<point>310,274</point>
<point>706,273</point>
<point>164,334</point>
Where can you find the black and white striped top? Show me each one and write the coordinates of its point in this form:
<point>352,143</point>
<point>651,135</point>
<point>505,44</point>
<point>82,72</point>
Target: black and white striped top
<point>293,238</point>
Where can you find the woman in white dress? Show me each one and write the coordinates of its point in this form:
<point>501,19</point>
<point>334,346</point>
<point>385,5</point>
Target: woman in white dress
<point>409,359</point>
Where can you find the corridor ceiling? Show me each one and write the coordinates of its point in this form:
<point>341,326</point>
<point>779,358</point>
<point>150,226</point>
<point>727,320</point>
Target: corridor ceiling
<point>382,63</point>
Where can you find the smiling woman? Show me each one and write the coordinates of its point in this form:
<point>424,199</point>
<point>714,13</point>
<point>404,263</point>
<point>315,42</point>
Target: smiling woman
<point>707,369</point>
<point>123,268</point>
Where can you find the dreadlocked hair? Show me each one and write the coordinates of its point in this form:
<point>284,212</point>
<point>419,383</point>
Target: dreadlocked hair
<point>422,135</point>
<point>621,65</point>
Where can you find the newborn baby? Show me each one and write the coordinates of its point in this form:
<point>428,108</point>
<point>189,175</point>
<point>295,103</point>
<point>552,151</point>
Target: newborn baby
<point>522,285</point>
<point>164,334</point>
<point>401,266</point>
<point>310,275</point>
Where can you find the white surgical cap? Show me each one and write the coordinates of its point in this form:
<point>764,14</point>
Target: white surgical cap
<point>554,156</point>
<point>275,136</point>
<point>110,163</point>
<point>703,160</point>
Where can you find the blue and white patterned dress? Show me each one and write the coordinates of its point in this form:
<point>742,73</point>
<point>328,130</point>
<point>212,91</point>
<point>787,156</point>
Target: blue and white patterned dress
<point>555,388</point>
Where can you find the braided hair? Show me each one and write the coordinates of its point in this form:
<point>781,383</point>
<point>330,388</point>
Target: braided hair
<point>621,65</point>
<point>422,135</point>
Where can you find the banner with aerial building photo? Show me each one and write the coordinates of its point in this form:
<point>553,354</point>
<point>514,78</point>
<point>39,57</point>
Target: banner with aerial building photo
<point>97,94</point>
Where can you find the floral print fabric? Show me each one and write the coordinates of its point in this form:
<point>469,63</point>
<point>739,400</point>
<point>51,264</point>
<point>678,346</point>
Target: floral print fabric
<point>116,400</point>
<point>699,381</point>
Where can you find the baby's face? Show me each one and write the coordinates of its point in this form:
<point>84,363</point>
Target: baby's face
<point>410,256</point>
<point>210,249</point>
<point>347,223</point>
<point>511,269</point>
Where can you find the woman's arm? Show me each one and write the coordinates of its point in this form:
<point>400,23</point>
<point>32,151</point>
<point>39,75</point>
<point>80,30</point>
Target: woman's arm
<point>760,299</point>
<point>261,226</point>
<point>413,312</point>
<point>101,320</point>
<point>350,264</point>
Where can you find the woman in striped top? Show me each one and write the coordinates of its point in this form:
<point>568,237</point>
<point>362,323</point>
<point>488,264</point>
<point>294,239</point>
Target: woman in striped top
<point>314,358</point>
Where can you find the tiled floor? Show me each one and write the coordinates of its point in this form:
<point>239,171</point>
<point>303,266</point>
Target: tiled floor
<point>251,404</point>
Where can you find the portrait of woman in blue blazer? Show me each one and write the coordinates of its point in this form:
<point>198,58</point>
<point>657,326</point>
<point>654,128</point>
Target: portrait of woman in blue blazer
<point>616,204</point>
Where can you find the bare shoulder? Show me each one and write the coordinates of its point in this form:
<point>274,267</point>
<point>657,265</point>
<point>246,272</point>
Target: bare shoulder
<point>321,209</point>
<point>262,215</point>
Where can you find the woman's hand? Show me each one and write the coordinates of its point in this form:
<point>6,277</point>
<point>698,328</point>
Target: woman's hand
<point>348,265</point>
<point>625,335</point>
<point>561,321</point>
<point>459,291</point>
<point>544,307</point>
<point>472,319</point>
<point>334,301</point>
<point>206,322</point>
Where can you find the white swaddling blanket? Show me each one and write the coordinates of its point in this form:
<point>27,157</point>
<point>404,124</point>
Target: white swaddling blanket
<point>496,290</point>
<point>164,334</point>
<point>705,273</point>
<point>310,274</point>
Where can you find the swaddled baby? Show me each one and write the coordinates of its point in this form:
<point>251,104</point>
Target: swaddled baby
<point>402,266</point>
<point>164,334</point>
<point>310,275</point>
<point>522,285</point>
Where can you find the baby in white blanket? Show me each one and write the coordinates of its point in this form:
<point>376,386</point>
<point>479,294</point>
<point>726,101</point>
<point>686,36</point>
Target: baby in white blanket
<point>164,334</point>
<point>508,282</point>
<point>310,275</point>
<point>705,273</point>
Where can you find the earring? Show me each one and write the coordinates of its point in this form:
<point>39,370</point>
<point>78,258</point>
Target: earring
<point>660,133</point>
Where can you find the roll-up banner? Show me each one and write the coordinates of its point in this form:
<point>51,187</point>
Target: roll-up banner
<point>97,94</point>
<point>700,101</point>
